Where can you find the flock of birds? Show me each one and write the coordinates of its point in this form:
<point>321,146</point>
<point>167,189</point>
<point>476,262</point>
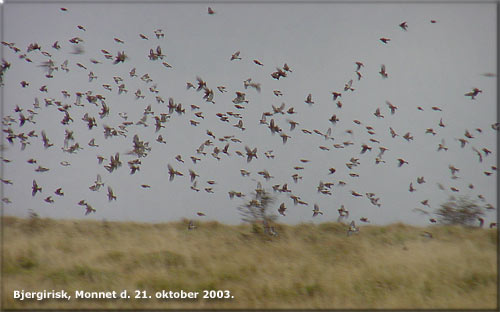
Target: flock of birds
<point>20,127</point>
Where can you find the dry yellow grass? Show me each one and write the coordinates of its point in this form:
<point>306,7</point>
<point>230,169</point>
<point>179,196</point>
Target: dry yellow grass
<point>307,266</point>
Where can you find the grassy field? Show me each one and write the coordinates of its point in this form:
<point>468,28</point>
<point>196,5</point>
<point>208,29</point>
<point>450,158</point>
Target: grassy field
<point>306,266</point>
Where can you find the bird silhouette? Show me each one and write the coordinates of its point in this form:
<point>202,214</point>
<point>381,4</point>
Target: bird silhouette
<point>473,93</point>
<point>382,72</point>
<point>352,228</point>
<point>316,210</point>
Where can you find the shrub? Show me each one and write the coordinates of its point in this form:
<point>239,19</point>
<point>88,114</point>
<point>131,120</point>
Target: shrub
<point>258,211</point>
<point>459,211</point>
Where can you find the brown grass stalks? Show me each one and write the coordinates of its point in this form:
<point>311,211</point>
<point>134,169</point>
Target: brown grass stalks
<point>306,266</point>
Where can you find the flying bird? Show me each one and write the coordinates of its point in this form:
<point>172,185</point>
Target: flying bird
<point>309,99</point>
<point>316,210</point>
<point>235,56</point>
<point>352,228</point>
<point>391,107</point>
<point>473,93</point>
<point>35,188</point>
<point>359,65</point>
<point>282,209</point>
<point>172,172</point>
<point>250,153</point>
<point>111,195</point>
<point>258,62</point>
<point>382,72</point>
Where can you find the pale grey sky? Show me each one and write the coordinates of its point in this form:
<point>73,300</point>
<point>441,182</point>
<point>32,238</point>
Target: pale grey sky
<point>429,65</point>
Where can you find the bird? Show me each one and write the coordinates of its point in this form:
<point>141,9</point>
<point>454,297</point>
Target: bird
<point>468,134</point>
<point>463,142</point>
<point>378,114</point>
<point>97,184</point>
<point>316,210</point>
<point>412,189</point>
<point>401,162</point>
<point>453,169</point>
<point>49,199</point>
<point>473,93</point>
<point>235,56</point>
<point>191,225</point>
<point>356,194</point>
<point>365,148</point>
<point>45,139</point>
<point>272,231</point>
<point>194,186</point>
<point>430,131</point>
<point>309,99</point>
<point>343,213</point>
<point>426,234</point>
<point>111,195</point>
<point>441,124</point>
<point>5,181</point>
<point>179,158</point>
<point>250,153</point>
<point>172,172</point>
<point>478,154</point>
<point>393,132</point>
<point>391,107</point>
<point>408,137</point>
<point>382,72</point>
<point>193,175</point>
<point>284,137</point>
<point>348,86</point>
<point>442,146</point>
<point>352,228</point>
<point>258,62</point>
<point>35,188</point>
<point>282,209</point>
<point>481,222</point>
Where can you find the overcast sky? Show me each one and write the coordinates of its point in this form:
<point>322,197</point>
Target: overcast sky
<point>429,65</point>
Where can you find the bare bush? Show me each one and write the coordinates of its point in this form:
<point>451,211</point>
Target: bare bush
<point>257,211</point>
<point>460,211</point>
